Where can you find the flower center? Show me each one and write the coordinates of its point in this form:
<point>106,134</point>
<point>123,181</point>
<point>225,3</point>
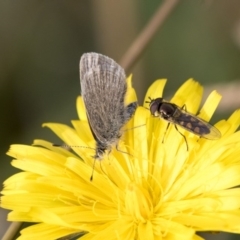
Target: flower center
<point>138,202</point>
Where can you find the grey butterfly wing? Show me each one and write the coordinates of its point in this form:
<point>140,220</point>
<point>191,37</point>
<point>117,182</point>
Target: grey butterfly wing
<point>103,87</point>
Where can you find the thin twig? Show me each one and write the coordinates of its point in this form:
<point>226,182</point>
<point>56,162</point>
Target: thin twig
<point>139,45</point>
<point>12,231</point>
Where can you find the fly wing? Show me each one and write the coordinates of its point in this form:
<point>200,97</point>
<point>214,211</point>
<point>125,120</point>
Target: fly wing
<point>196,125</point>
<point>103,87</point>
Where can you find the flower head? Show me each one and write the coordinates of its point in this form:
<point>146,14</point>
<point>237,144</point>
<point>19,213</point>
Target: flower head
<point>149,189</point>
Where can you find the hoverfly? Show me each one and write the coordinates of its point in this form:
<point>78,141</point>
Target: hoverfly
<point>180,117</point>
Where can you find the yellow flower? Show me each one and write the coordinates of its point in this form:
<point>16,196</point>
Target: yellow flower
<point>148,190</point>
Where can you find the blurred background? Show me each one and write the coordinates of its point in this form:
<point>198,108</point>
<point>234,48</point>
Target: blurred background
<point>41,43</point>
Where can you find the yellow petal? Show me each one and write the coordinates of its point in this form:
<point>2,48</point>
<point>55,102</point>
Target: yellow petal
<point>81,109</point>
<point>131,95</point>
<point>44,231</point>
<point>190,95</point>
<point>154,91</point>
<point>210,106</point>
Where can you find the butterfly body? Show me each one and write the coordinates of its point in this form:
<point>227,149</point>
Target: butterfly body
<point>103,89</point>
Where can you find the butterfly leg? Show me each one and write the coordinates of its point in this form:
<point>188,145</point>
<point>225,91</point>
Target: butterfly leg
<point>130,110</point>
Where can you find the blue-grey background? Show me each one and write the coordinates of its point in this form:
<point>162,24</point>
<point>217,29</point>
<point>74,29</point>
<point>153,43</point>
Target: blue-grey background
<point>41,43</point>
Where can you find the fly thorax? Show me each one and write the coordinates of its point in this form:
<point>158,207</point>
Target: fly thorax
<point>166,110</point>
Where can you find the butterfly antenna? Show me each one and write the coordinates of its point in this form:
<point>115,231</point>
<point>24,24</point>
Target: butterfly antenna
<point>91,178</point>
<point>70,146</point>
<point>58,145</point>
